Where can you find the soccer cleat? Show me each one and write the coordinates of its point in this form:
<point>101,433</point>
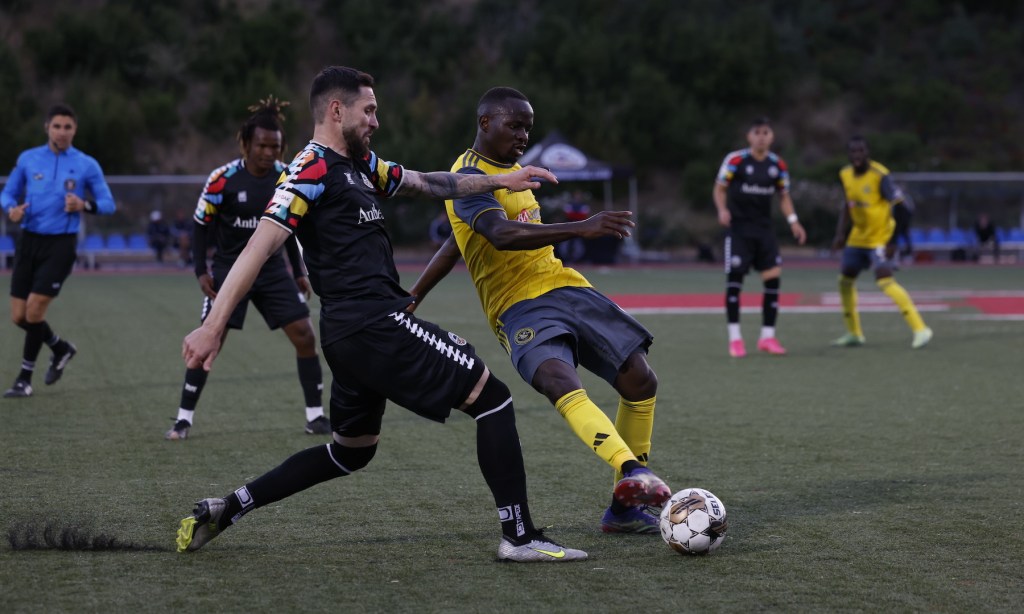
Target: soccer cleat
<point>634,520</point>
<point>201,526</point>
<point>57,364</point>
<point>20,389</point>
<point>849,340</point>
<point>538,550</point>
<point>736,349</point>
<point>178,431</point>
<point>318,426</point>
<point>921,338</point>
<point>771,345</point>
<point>641,487</point>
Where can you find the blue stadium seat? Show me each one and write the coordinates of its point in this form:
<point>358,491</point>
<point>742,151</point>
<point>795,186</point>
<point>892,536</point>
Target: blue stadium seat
<point>138,241</point>
<point>936,235</point>
<point>917,235</point>
<point>1016,234</point>
<point>116,242</point>
<point>92,242</point>
<point>961,236</point>
<point>6,244</point>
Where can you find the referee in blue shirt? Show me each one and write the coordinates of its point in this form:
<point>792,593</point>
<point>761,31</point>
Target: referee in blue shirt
<point>47,192</point>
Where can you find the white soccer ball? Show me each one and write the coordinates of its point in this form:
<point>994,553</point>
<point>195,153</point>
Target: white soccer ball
<point>693,521</point>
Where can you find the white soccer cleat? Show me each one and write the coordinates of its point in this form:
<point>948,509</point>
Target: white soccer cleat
<point>921,338</point>
<point>201,526</point>
<point>538,550</point>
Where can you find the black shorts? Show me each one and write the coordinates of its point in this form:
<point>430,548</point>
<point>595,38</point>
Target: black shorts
<point>274,293</point>
<point>751,248</point>
<point>401,358</point>
<point>42,263</point>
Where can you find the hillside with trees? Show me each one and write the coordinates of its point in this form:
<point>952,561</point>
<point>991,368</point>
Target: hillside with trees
<point>661,86</point>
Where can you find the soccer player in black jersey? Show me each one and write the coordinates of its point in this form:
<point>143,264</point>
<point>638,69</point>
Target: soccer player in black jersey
<point>228,212</point>
<point>747,182</point>
<point>375,349</point>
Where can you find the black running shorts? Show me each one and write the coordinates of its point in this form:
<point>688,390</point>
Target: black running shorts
<point>403,359</point>
<point>42,263</point>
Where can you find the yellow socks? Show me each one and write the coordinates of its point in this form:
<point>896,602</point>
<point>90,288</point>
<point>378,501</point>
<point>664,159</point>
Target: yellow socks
<point>635,422</point>
<point>848,295</point>
<point>594,428</point>
<point>899,296</point>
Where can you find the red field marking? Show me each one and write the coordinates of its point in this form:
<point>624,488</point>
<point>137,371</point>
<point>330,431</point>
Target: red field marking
<point>997,305</point>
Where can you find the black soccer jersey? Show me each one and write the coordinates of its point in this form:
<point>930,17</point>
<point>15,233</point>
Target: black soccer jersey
<point>231,204</point>
<point>330,203</point>
<point>752,184</point>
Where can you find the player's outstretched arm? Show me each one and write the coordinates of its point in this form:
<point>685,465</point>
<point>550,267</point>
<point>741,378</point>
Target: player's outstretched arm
<point>455,185</point>
<point>200,347</point>
<point>508,235</point>
<point>438,267</point>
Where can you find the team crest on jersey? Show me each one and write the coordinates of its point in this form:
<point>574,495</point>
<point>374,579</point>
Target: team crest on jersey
<point>749,169</point>
<point>69,185</point>
<point>366,181</point>
<point>243,196</point>
<point>457,340</point>
<point>773,171</point>
<point>524,336</point>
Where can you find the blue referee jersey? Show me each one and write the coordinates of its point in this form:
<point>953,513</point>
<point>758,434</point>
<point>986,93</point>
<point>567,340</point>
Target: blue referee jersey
<point>42,178</point>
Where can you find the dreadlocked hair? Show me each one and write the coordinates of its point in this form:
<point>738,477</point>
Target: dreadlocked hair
<point>268,114</point>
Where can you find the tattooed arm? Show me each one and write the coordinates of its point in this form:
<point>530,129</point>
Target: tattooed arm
<point>453,185</point>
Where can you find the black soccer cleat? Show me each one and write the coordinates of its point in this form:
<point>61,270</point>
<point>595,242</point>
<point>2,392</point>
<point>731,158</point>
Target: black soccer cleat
<point>318,426</point>
<point>179,431</point>
<point>58,362</point>
<point>20,389</point>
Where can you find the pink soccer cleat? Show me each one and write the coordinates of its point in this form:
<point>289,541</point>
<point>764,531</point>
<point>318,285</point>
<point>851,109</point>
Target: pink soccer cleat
<point>771,346</point>
<point>736,349</point>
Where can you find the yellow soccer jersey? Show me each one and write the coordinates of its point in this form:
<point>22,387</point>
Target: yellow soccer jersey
<point>503,278</point>
<point>869,200</point>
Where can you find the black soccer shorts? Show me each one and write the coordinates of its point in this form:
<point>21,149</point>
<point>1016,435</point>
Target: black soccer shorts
<point>757,249</point>
<point>411,362</point>
<point>274,293</point>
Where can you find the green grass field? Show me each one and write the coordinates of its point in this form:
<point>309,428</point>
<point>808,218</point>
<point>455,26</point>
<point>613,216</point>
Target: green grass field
<point>869,479</point>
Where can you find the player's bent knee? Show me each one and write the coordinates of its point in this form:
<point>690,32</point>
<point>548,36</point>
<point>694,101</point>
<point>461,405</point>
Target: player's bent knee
<point>495,396</point>
<point>350,459</point>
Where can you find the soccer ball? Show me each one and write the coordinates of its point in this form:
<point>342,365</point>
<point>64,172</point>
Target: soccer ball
<point>693,521</point>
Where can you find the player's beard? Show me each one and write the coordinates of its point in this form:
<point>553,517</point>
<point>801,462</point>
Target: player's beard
<point>357,148</point>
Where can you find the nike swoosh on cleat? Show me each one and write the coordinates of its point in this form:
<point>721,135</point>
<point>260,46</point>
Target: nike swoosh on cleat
<point>557,555</point>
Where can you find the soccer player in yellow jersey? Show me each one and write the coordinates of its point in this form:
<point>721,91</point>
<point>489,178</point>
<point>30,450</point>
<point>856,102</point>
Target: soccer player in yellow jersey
<point>547,316</point>
<point>865,226</point>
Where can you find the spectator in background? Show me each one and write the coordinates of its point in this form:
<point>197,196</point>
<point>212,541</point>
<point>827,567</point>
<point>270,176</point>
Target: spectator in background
<point>181,233</point>
<point>159,234</point>
<point>47,192</point>
<point>986,232</point>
